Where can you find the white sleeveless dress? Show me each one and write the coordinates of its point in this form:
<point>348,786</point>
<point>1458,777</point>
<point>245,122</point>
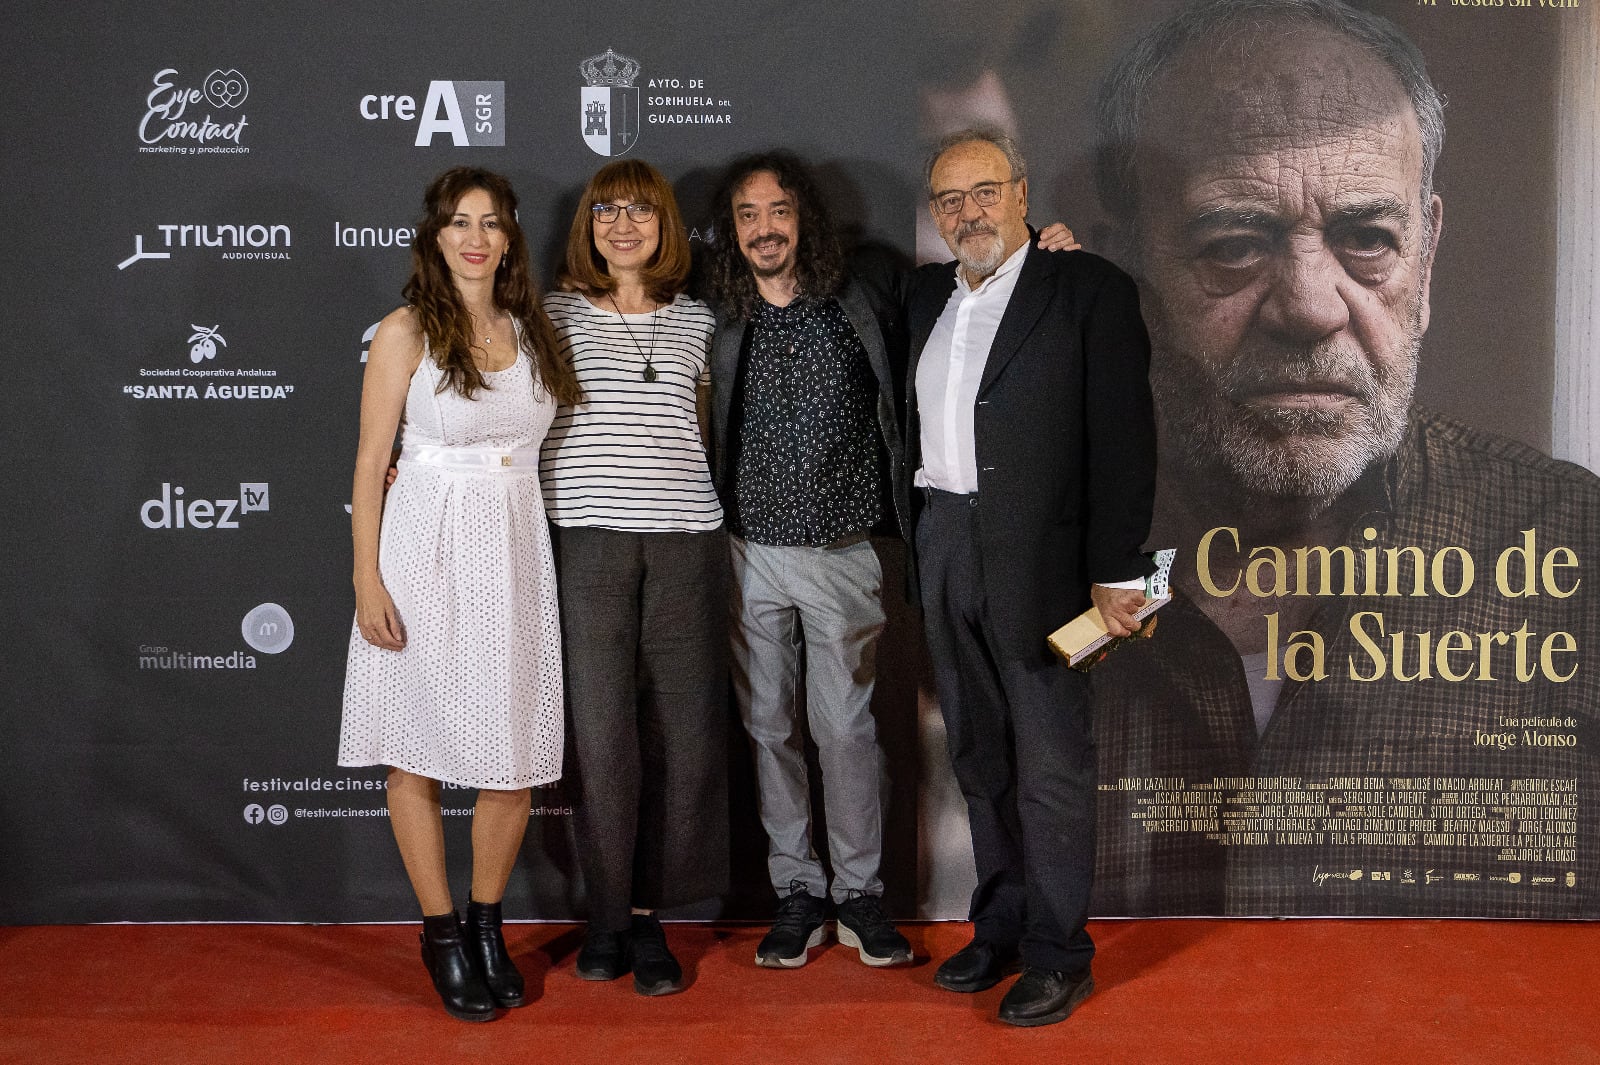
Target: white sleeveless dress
<point>474,698</point>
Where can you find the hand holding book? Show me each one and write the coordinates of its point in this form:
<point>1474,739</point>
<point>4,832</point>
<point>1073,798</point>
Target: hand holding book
<point>1087,639</point>
<point>1118,608</point>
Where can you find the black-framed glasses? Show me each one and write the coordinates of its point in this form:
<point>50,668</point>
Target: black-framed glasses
<point>637,212</point>
<point>984,194</point>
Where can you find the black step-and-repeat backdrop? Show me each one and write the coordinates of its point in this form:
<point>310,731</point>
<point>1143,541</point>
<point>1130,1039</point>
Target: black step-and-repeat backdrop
<point>213,208</point>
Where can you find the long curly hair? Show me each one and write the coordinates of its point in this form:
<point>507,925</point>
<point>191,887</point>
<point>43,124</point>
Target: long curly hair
<point>819,254</point>
<point>443,316</point>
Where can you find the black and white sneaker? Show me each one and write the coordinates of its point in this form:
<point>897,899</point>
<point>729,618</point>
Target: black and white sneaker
<point>798,928</point>
<point>863,925</point>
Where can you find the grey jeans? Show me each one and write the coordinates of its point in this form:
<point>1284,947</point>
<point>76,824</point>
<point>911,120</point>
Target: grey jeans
<point>827,602</point>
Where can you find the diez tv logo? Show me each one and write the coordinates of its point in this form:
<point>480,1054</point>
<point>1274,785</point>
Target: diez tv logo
<point>473,113</point>
<point>173,510</point>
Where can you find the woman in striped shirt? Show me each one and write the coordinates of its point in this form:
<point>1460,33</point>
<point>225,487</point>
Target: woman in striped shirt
<point>641,558</point>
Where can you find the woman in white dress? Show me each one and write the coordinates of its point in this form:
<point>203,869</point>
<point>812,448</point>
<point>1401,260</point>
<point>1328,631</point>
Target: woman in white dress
<point>642,557</point>
<point>454,671</point>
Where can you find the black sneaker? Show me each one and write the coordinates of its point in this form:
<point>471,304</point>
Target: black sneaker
<point>655,970</point>
<point>604,955</point>
<point>797,929</point>
<point>862,925</point>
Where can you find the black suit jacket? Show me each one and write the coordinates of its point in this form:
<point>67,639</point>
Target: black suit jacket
<point>871,298</point>
<point>1065,438</point>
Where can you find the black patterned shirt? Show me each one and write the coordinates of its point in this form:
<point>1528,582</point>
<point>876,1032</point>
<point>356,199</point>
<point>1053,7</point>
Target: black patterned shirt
<point>807,471</point>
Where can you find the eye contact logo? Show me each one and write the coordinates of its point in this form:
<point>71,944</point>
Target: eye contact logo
<point>473,113</point>
<point>179,119</point>
<point>170,510</point>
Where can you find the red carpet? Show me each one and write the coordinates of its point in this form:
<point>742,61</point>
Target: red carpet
<point>1417,992</point>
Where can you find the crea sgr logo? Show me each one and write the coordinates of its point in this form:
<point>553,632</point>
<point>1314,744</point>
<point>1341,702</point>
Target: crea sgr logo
<point>175,507</point>
<point>185,118</point>
<point>609,103</point>
<point>472,113</point>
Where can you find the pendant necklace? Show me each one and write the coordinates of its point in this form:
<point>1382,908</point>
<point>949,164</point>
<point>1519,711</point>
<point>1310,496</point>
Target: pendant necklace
<point>649,373</point>
<point>487,339</point>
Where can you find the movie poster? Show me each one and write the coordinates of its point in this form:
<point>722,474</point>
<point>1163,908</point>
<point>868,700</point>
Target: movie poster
<point>1375,690</point>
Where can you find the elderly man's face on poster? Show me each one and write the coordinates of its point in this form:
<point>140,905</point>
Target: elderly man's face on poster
<point>1286,251</point>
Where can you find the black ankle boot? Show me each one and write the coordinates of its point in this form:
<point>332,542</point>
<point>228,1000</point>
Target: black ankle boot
<point>487,948</point>
<point>454,976</point>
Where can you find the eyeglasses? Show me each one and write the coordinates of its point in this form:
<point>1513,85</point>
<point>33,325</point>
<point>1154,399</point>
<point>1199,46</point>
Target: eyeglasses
<point>637,212</point>
<point>984,194</point>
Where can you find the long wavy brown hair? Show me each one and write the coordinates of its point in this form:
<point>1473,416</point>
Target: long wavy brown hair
<point>443,315</point>
<point>818,255</point>
<point>632,179</point>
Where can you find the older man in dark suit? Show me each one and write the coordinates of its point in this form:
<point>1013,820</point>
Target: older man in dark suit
<point>1033,443</point>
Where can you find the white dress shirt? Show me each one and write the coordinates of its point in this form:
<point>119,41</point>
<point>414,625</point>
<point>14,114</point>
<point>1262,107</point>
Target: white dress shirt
<point>950,372</point>
<point>948,376</point>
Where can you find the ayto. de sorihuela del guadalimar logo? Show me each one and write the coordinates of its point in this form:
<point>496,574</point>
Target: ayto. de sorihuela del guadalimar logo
<point>613,109</point>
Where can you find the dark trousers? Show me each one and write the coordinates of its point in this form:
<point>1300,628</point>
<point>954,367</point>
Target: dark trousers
<point>645,643</point>
<point>1018,726</point>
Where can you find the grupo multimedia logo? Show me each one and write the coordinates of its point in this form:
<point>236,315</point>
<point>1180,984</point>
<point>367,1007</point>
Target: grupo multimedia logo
<point>472,113</point>
<point>612,109</point>
<point>267,629</point>
<point>199,373</point>
<point>233,241</point>
<point>184,117</point>
<point>175,507</point>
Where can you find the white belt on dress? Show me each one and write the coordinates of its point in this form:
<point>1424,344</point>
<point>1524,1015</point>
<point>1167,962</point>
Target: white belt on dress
<point>476,459</point>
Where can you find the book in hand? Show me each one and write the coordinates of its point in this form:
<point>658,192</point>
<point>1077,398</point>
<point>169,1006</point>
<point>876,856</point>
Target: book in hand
<point>1084,641</point>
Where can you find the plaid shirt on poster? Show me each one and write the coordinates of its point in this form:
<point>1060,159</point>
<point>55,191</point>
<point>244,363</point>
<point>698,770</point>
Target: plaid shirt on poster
<point>1177,706</point>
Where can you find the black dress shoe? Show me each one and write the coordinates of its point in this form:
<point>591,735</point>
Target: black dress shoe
<point>604,955</point>
<point>977,966</point>
<point>486,945</point>
<point>1044,996</point>
<point>460,988</point>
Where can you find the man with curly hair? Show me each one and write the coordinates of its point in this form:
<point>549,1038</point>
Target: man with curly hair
<point>804,372</point>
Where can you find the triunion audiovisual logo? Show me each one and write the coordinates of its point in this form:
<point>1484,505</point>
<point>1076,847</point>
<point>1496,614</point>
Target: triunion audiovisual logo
<point>234,241</point>
<point>185,118</point>
<point>612,108</point>
<point>200,371</point>
<point>267,629</point>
